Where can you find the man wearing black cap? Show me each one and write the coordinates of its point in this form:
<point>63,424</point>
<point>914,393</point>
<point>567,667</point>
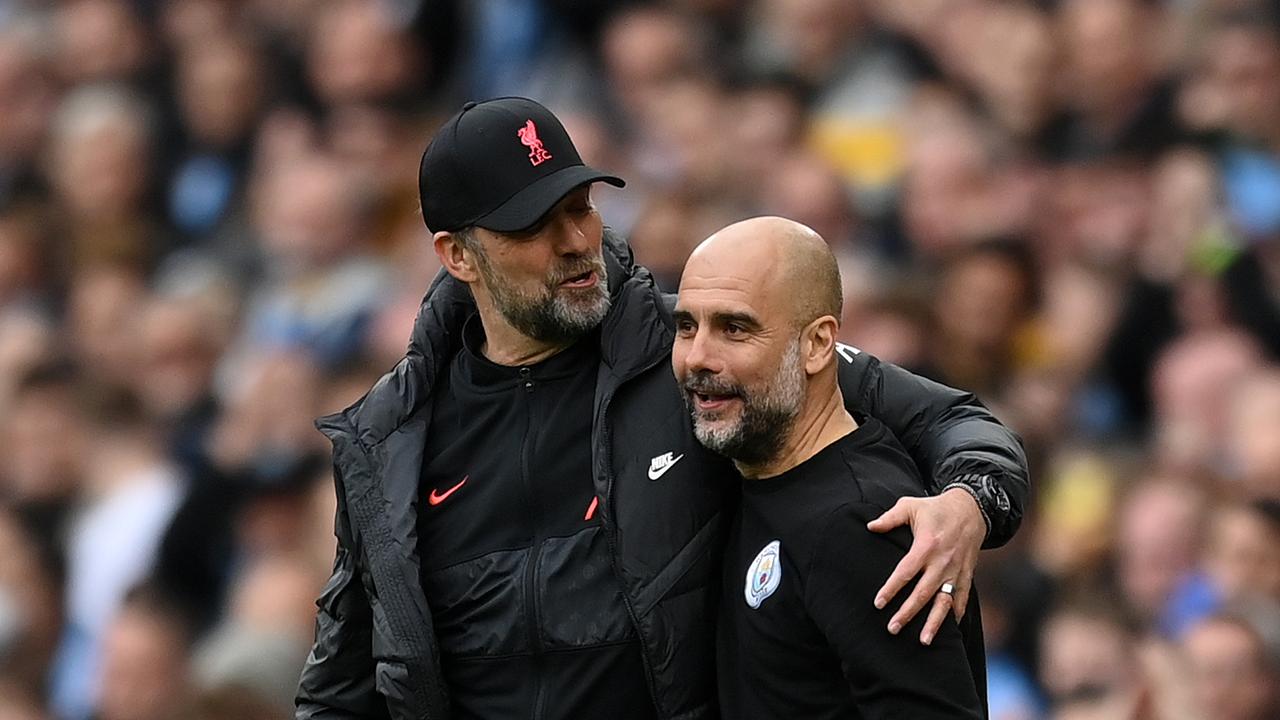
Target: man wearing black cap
<point>527,526</point>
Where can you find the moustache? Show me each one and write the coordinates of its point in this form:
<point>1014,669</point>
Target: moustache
<point>575,269</point>
<point>708,384</point>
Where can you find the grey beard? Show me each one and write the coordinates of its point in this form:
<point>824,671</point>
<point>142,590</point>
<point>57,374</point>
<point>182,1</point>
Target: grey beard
<point>557,316</point>
<point>767,417</point>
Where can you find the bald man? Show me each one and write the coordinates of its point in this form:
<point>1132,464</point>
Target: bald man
<point>755,353</point>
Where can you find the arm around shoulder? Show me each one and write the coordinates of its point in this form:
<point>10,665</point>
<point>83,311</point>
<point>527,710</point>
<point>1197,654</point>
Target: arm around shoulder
<point>953,438</point>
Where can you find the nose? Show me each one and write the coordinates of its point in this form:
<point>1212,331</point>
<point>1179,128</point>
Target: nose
<point>571,235</point>
<point>694,354</point>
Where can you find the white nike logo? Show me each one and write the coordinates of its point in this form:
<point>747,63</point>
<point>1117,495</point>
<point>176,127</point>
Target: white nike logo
<point>661,464</point>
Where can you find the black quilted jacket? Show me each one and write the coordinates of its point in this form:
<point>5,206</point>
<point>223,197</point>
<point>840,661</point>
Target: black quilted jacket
<point>375,654</point>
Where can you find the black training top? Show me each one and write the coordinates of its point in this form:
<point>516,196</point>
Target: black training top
<point>516,568</point>
<point>798,633</point>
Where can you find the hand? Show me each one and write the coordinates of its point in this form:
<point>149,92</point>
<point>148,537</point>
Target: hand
<point>949,531</point>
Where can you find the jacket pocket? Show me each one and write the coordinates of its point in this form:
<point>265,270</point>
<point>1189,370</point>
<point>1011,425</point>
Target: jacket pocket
<point>337,680</point>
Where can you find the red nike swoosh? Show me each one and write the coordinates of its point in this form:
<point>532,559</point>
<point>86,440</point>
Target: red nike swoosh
<point>435,499</point>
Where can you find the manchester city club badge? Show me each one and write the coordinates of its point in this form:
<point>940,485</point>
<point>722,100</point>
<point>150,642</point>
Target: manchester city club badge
<point>764,574</point>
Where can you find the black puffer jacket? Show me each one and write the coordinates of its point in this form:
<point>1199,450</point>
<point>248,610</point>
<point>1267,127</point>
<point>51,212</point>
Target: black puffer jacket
<point>375,654</point>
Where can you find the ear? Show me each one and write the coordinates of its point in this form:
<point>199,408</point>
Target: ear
<point>454,257</point>
<point>819,344</point>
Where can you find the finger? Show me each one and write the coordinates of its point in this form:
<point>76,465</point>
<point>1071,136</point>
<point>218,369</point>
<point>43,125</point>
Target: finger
<point>924,591</point>
<point>899,514</point>
<point>942,604</point>
<point>908,567</point>
<point>963,582</point>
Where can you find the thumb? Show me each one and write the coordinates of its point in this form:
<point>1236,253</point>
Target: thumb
<point>896,516</point>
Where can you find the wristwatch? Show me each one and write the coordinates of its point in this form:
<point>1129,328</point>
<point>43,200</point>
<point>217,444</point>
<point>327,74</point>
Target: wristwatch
<point>991,498</point>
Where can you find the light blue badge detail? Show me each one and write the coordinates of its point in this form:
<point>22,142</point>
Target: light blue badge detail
<point>764,575</point>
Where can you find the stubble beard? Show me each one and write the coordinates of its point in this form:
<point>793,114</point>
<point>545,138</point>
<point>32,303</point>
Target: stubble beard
<point>555,315</point>
<point>766,417</point>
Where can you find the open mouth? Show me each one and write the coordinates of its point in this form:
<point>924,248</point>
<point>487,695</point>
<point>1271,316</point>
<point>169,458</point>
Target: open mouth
<point>711,401</point>
<point>583,280</point>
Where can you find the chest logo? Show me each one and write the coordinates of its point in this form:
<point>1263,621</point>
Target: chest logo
<point>436,498</point>
<point>764,575</point>
<point>661,464</point>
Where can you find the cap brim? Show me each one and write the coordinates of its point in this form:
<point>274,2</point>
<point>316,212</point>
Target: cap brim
<point>526,207</point>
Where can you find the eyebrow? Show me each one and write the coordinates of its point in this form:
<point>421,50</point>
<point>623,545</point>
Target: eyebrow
<point>746,320</point>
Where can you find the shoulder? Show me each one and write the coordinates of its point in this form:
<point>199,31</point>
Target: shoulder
<point>866,470</point>
<point>638,329</point>
<point>845,522</point>
<point>878,466</point>
<point>392,401</point>
<point>836,550</point>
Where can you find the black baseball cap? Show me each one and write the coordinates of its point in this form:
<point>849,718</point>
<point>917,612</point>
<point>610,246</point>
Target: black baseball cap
<point>500,164</point>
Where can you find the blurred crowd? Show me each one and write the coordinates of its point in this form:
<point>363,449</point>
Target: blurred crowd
<point>210,234</point>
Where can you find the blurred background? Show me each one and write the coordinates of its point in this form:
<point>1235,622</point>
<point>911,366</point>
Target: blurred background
<point>209,234</point>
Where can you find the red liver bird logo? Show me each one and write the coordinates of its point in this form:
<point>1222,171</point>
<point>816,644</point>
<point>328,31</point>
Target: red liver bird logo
<point>529,137</point>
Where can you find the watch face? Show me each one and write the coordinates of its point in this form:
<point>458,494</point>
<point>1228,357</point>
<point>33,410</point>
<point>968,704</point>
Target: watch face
<point>1002,500</point>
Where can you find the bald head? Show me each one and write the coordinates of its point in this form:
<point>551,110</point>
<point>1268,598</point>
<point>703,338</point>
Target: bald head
<point>787,263</point>
<point>755,347</point>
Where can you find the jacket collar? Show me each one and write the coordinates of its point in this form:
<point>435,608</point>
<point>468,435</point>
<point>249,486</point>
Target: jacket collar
<point>638,329</point>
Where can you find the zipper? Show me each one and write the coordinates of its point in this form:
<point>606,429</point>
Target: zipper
<point>610,535</point>
<point>606,455</point>
<point>535,552</point>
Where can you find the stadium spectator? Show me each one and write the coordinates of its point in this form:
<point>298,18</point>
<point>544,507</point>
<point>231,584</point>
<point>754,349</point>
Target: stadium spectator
<point>210,233</point>
<point>1233,676</point>
<point>145,660</point>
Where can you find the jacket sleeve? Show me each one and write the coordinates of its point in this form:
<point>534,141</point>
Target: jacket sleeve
<point>953,438</point>
<point>338,678</point>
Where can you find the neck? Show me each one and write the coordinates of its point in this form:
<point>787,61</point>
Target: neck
<point>822,422</point>
<point>505,345</point>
